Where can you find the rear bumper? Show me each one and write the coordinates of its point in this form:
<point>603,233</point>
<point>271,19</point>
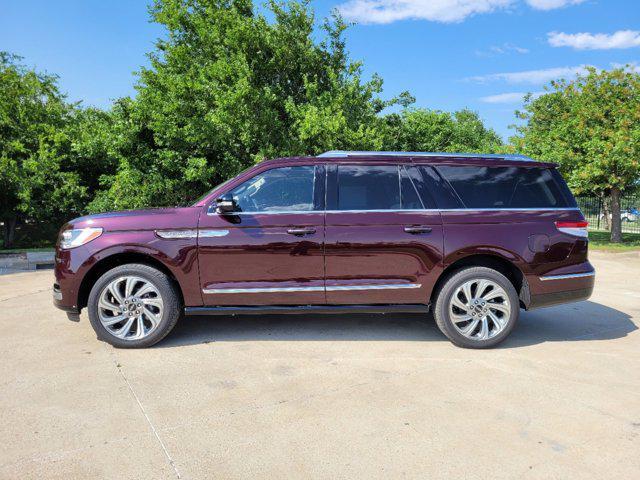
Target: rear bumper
<point>563,288</point>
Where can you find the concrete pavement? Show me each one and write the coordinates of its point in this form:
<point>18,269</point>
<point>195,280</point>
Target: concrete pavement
<point>355,396</point>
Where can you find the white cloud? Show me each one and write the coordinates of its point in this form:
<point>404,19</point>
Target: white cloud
<point>514,97</point>
<point>595,41</point>
<point>552,4</point>
<point>535,77</point>
<point>445,11</point>
<point>503,49</point>
<point>631,66</point>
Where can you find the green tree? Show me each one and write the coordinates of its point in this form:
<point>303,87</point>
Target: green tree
<point>228,87</point>
<point>591,127</point>
<point>33,113</point>
<point>435,131</point>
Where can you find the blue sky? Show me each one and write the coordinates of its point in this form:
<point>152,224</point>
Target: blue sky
<point>449,54</point>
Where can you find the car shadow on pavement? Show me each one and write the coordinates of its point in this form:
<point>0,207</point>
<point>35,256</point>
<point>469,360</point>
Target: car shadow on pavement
<point>567,323</point>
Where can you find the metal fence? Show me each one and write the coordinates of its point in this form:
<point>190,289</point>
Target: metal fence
<point>593,210</point>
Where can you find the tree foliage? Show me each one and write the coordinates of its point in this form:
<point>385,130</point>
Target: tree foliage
<point>434,131</point>
<point>227,88</point>
<point>591,127</point>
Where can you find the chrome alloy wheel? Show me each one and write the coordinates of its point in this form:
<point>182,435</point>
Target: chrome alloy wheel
<point>130,308</point>
<point>479,309</point>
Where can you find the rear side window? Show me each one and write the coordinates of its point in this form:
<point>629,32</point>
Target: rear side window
<point>368,187</point>
<point>375,187</point>
<point>505,187</point>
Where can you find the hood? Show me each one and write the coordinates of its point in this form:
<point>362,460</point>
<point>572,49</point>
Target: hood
<point>144,219</point>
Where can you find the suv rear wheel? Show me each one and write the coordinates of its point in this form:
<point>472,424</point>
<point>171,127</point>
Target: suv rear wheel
<point>477,307</point>
<point>133,306</point>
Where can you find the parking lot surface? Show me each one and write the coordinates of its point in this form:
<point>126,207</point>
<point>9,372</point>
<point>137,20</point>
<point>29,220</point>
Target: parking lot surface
<point>353,396</point>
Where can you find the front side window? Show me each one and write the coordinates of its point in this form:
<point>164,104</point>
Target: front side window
<point>504,187</point>
<point>279,189</point>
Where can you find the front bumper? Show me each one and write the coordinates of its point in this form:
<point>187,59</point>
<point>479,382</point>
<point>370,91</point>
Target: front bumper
<point>59,301</point>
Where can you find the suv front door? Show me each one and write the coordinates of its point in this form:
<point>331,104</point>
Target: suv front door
<point>269,251</point>
<point>383,245</point>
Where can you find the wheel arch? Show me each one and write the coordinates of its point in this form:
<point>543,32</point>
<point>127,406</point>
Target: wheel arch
<point>115,260</point>
<point>501,264</point>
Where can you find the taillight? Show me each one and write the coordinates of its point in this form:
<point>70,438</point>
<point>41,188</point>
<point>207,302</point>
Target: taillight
<point>579,229</point>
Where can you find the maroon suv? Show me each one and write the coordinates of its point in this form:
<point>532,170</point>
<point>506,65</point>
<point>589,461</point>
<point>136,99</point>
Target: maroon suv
<point>472,238</point>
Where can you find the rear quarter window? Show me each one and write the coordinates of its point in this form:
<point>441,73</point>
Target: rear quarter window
<point>506,187</point>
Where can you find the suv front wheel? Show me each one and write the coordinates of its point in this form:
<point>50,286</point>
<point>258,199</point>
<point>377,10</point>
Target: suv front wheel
<point>133,306</point>
<point>477,307</point>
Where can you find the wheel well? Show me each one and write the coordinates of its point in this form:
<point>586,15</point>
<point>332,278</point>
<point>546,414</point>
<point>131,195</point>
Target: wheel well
<point>116,260</point>
<point>508,269</point>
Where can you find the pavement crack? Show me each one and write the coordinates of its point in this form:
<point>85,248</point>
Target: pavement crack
<point>146,416</point>
<point>25,294</point>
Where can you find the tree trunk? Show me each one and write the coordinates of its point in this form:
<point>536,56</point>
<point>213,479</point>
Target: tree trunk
<point>605,212</point>
<point>616,222</point>
<point>9,231</point>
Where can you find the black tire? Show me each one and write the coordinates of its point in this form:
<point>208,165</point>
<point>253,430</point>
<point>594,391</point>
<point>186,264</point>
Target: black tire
<point>443,297</point>
<point>171,311</point>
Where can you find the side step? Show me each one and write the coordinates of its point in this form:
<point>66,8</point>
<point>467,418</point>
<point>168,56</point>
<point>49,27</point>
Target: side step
<point>323,309</point>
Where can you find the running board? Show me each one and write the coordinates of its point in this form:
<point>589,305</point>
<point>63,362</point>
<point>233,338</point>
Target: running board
<point>323,309</point>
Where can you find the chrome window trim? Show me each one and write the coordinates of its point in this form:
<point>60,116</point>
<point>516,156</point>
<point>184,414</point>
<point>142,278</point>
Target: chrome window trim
<point>307,212</point>
<point>330,288</point>
<point>568,276</point>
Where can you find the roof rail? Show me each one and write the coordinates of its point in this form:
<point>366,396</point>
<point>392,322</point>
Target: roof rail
<point>346,153</point>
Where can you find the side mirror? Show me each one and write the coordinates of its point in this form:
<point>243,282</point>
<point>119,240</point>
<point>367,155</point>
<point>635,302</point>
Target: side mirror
<point>226,204</point>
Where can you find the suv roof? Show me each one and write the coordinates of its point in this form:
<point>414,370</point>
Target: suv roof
<point>354,153</point>
<point>478,159</point>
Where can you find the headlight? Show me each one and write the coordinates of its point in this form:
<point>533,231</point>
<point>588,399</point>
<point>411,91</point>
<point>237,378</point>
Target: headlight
<point>76,237</point>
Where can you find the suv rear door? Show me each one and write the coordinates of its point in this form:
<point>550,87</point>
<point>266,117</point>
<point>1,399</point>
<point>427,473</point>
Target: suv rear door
<point>383,245</point>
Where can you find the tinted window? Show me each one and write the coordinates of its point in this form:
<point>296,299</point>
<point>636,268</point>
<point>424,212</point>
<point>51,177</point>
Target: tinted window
<point>368,187</point>
<point>279,189</point>
<point>408,196</point>
<point>433,190</point>
<point>504,187</point>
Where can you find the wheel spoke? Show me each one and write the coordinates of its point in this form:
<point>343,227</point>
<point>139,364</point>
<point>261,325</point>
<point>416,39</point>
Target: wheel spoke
<point>115,292</point>
<point>125,329</point>
<point>468,330</point>
<point>146,288</point>
<point>460,318</point>
<point>501,307</point>
<point>458,303</point>
<point>466,288</point>
<point>107,305</point>
<point>497,321</point>
<point>153,318</point>
<point>130,283</point>
<point>482,286</point>
<point>114,320</point>
<point>484,330</point>
<point>493,294</point>
<point>153,302</point>
<point>140,327</point>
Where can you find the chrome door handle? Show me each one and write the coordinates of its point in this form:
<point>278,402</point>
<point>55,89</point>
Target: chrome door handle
<point>301,231</point>
<point>417,229</point>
